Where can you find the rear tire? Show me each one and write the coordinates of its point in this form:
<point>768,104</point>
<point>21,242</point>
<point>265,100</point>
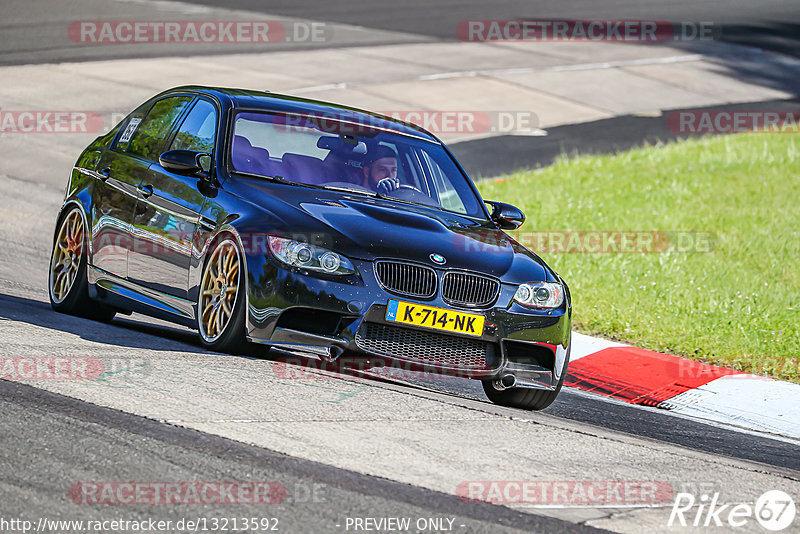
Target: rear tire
<point>221,306</point>
<point>68,284</point>
<point>526,398</point>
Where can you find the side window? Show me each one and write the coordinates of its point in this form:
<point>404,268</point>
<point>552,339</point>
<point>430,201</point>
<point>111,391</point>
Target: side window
<point>408,163</point>
<point>150,134</point>
<point>199,129</point>
<point>129,126</point>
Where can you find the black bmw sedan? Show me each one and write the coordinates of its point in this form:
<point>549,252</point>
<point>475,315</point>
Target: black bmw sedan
<point>315,228</point>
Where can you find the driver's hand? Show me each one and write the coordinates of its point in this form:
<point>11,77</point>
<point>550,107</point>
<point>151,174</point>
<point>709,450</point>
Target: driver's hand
<point>387,185</point>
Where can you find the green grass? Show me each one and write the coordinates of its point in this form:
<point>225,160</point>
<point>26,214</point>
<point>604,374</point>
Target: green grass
<point>736,306</point>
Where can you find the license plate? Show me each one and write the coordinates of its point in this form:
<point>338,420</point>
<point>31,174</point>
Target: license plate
<point>436,318</point>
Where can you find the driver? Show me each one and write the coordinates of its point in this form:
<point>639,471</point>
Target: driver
<point>379,172</point>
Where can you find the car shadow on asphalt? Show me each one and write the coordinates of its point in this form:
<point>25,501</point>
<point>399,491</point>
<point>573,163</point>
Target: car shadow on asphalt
<point>122,331</point>
<point>136,331</point>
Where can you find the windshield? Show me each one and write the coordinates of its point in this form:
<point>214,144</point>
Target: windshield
<point>361,158</point>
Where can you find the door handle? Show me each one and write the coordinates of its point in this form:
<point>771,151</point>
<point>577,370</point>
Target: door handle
<point>105,174</point>
<point>145,190</point>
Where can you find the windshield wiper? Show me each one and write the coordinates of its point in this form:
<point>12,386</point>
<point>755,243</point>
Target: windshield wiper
<point>411,202</point>
<point>351,190</point>
<point>277,178</point>
<point>281,180</point>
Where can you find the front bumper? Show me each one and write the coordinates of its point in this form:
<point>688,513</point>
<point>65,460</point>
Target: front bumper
<point>330,317</point>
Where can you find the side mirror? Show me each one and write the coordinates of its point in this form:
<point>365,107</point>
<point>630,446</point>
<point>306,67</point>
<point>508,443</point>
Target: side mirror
<point>186,162</point>
<point>506,216</point>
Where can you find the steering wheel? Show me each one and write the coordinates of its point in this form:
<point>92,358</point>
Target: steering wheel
<point>412,194</point>
<point>393,186</point>
<point>406,186</point>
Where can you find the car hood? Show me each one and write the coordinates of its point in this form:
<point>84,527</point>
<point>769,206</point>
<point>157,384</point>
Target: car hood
<point>367,228</point>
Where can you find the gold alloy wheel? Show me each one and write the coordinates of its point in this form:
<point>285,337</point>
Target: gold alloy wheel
<point>218,290</point>
<point>66,256</point>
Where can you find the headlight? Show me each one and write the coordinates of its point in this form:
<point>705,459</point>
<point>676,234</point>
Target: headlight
<point>305,256</point>
<point>540,295</point>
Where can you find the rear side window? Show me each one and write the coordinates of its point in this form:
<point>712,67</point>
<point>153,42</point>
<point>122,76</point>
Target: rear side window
<point>198,130</point>
<point>150,135</point>
<point>129,126</point>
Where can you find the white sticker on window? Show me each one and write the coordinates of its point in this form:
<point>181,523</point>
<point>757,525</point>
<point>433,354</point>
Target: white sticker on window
<point>129,131</point>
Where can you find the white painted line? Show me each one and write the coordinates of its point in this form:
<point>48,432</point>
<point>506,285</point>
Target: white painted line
<point>588,507</point>
<point>687,417</point>
<point>748,401</point>
<point>316,88</point>
<point>630,63</point>
<point>173,5</point>
<point>558,68</point>
<point>526,70</point>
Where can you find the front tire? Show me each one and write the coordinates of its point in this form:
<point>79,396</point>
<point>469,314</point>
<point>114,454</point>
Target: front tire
<point>221,302</point>
<point>68,285</point>
<point>526,398</point>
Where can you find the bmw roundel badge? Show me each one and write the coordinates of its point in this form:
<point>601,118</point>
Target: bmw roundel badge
<point>438,259</point>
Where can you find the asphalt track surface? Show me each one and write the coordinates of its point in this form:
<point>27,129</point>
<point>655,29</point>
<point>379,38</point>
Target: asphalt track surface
<point>319,498</point>
<point>34,30</point>
<point>52,440</point>
<point>769,24</point>
<point>574,405</point>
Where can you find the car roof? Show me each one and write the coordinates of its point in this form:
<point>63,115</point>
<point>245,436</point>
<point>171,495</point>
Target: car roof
<point>268,101</point>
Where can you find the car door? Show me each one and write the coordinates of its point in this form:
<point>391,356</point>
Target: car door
<point>114,199</point>
<point>167,213</point>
